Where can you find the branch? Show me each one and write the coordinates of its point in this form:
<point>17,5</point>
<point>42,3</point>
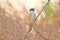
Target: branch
<point>41,12</point>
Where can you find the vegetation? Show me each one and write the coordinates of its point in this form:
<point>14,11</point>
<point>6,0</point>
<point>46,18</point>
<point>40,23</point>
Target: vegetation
<point>59,6</point>
<point>48,9</point>
<point>15,27</point>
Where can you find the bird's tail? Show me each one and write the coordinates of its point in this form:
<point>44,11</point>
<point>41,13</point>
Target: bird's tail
<point>28,33</point>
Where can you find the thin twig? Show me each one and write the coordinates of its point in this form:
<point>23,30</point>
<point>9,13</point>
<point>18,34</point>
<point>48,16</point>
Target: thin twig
<point>27,34</point>
<point>40,12</point>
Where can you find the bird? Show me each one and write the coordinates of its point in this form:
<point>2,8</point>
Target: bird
<point>30,20</point>
<point>31,16</point>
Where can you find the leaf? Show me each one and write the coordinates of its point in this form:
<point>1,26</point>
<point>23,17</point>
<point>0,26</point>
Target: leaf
<point>48,9</point>
<point>59,5</point>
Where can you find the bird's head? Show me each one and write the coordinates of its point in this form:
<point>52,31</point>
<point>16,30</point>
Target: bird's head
<point>32,10</point>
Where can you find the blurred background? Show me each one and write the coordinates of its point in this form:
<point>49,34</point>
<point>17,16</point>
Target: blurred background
<point>14,25</point>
